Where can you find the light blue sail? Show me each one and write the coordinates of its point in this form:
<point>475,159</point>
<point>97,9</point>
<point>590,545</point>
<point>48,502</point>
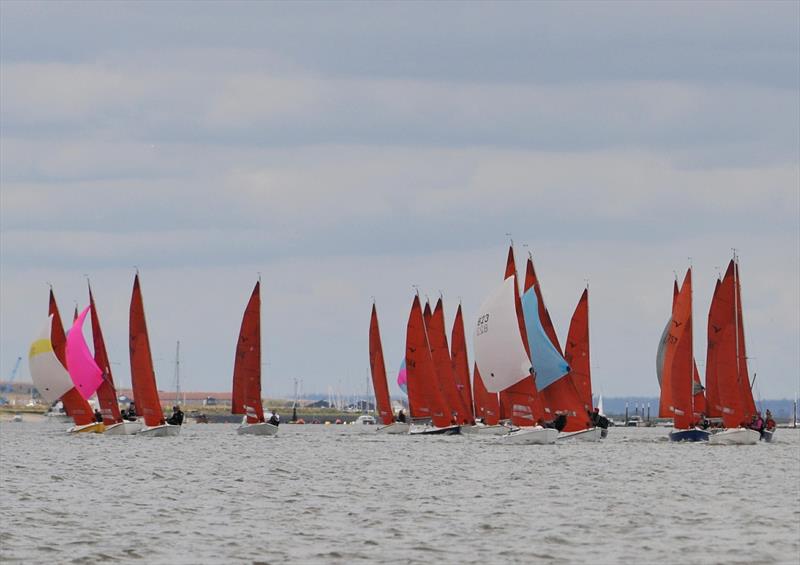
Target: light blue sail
<point>547,361</point>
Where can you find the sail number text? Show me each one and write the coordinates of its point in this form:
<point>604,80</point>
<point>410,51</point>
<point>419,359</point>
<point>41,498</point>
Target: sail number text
<point>483,325</point>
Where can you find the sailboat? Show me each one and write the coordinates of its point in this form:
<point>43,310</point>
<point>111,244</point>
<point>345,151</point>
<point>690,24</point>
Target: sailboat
<point>107,392</point>
<point>729,394</point>
<point>677,369</point>
<point>576,353</point>
<point>429,412</point>
<point>503,361</point>
<point>443,364</point>
<point>246,397</point>
<point>47,360</point>
<point>143,377</point>
<point>553,373</point>
<point>379,383</point>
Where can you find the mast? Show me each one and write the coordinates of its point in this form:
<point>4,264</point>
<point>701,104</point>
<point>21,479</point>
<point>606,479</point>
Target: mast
<point>178,373</point>
<point>736,313</point>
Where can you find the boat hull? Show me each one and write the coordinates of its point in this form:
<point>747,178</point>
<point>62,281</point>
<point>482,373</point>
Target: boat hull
<point>123,429</point>
<point>734,436</point>
<point>260,429</point>
<point>529,436</point>
<point>93,428</point>
<point>425,430</point>
<point>691,435</point>
<point>394,428</point>
<point>767,435</point>
<point>165,430</point>
<point>590,434</point>
<point>484,430</point>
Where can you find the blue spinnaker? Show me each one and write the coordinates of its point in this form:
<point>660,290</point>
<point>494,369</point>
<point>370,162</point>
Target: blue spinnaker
<point>547,361</point>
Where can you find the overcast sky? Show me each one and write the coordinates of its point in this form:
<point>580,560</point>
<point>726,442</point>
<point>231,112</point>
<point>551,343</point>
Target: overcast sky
<point>347,151</point>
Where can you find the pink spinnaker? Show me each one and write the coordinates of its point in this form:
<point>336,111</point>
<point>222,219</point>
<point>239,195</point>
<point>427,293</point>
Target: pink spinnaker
<point>83,370</point>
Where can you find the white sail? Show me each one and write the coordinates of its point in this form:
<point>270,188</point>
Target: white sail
<point>48,374</point>
<point>499,350</point>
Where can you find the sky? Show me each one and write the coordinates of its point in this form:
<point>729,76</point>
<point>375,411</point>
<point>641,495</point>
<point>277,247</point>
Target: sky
<point>350,151</point>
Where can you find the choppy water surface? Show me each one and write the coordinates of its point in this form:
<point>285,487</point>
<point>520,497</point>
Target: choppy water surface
<point>336,494</point>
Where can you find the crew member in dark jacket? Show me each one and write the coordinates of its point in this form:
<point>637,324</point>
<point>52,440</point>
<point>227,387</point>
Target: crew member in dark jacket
<point>177,417</point>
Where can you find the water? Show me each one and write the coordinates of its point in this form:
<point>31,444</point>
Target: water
<point>338,494</point>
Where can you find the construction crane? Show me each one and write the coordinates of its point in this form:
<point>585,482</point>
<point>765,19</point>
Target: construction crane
<point>9,384</point>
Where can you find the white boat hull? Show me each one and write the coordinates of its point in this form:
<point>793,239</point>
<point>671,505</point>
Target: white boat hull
<point>484,430</point>
<point>260,429</point>
<point>125,428</point>
<point>160,431</point>
<point>394,428</point>
<point>590,434</point>
<point>425,429</point>
<point>734,436</point>
<point>529,436</point>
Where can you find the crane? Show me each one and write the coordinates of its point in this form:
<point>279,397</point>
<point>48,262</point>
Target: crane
<point>10,382</point>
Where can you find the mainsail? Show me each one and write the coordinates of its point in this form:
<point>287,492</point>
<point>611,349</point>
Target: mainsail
<point>576,351</point>
<point>728,384</point>
<point>143,377</point>
<point>458,352</point>
<point>440,352</point>
<point>246,397</point>
<point>106,393</point>
<point>378,370</point>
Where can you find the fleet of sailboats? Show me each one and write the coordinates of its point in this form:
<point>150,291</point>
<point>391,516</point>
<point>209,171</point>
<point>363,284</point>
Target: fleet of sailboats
<point>524,387</point>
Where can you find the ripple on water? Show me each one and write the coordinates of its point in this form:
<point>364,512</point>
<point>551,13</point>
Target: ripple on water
<point>333,494</point>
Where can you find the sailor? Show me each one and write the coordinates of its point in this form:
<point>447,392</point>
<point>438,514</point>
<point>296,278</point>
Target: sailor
<point>98,416</point>
<point>275,419</point>
<point>131,414</point>
<point>401,416</point>
<point>770,422</point>
<point>177,416</point>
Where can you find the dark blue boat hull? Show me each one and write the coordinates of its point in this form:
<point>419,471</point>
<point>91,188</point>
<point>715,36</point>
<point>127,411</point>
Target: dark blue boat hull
<point>695,434</point>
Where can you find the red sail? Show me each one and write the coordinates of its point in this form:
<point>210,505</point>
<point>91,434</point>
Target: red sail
<point>427,314</point>
<point>698,393</point>
<point>679,359</point>
<point>424,398</point>
<point>246,397</point>
<point>458,346</point>
<point>378,369</point>
<point>562,395</point>
<point>487,406</point>
<point>729,393</point>
<point>532,281</point>
<point>74,404</point>
<point>576,352</point>
<point>143,377</point>
<point>440,352</point>
<point>521,402</point>
<point>106,393</point>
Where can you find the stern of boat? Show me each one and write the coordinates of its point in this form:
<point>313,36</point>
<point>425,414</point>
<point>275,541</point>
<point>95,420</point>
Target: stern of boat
<point>259,429</point>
